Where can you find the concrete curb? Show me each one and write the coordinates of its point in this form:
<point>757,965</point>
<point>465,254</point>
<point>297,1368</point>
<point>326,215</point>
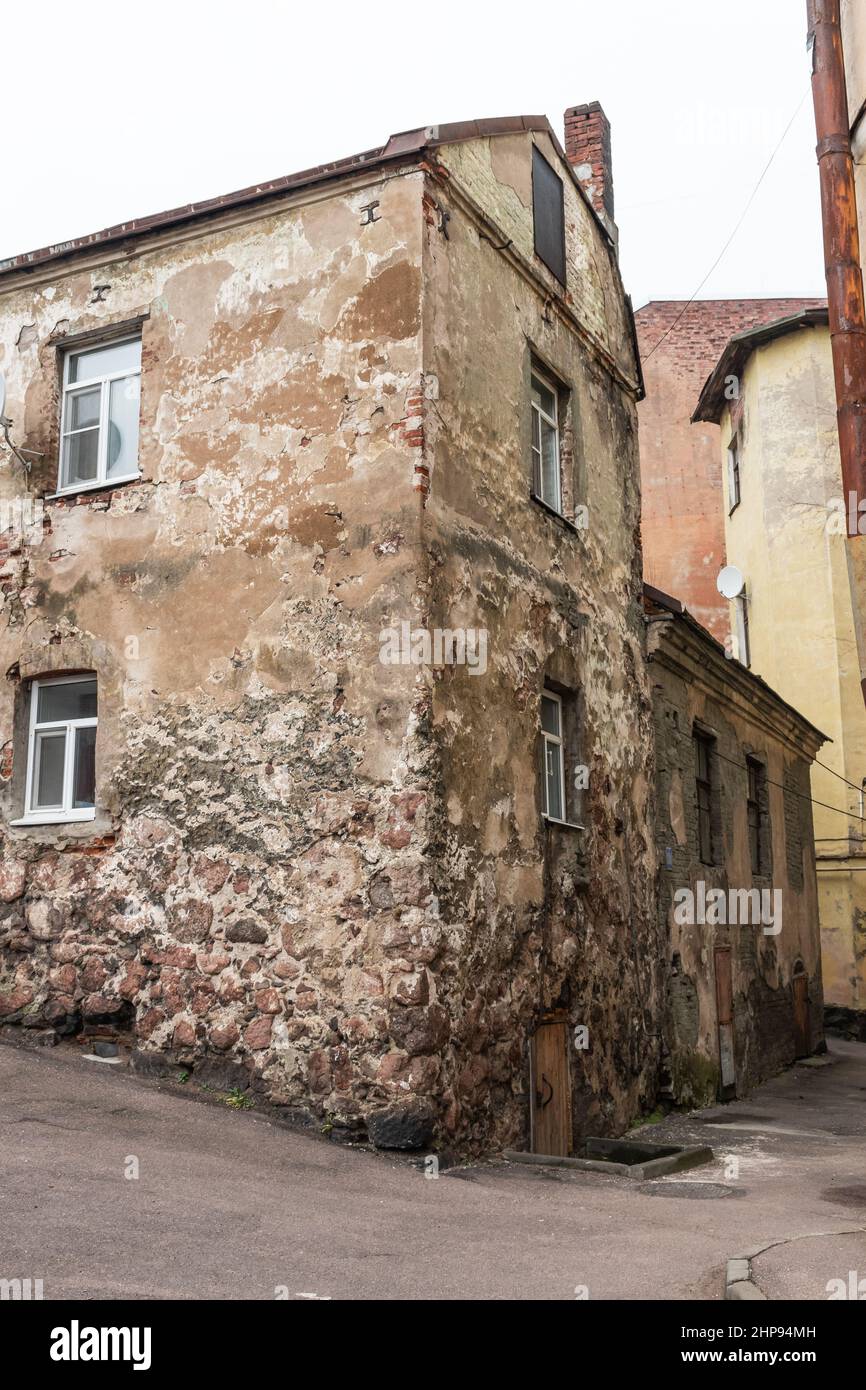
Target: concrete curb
<point>738,1281</point>
<point>689,1156</point>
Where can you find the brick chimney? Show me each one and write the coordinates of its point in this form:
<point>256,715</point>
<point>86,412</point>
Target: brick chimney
<point>587,145</point>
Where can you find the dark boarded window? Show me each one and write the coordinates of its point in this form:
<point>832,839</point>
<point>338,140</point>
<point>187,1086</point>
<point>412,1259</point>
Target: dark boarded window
<point>755,779</point>
<point>548,215</point>
<point>704,788</point>
<point>796,801</point>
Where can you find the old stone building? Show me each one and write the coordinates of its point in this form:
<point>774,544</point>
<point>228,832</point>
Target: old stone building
<point>738,896</point>
<point>682,522</point>
<point>327,740</point>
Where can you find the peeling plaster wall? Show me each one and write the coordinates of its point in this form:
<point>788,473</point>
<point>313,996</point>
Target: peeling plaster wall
<point>258,769</point>
<point>327,871</point>
<point>689,688</point>
<point>800,602</point>
<point>538,918</point>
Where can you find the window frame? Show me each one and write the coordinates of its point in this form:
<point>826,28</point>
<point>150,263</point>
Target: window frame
<point>69,389</point>
<point>538,373</point>
<point>755,772</point>
<point>734,489</point>
<point>67,814</point>
<point>556,741</point>
<point>741,608</point>
<point>706,847</point>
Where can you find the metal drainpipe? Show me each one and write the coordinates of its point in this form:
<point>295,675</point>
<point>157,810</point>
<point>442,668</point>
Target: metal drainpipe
<point>844,284</point>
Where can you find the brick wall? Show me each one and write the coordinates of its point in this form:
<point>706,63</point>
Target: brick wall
<point>683,525</point>
<point>587,145</point>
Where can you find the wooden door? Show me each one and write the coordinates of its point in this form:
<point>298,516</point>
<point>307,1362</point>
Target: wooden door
<point>550,1087</point>
<point>725,1017</point>
<point>802,1030</point>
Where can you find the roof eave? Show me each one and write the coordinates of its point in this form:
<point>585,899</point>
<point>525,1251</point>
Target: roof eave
<point>712,400</point>
<point>408,145</point>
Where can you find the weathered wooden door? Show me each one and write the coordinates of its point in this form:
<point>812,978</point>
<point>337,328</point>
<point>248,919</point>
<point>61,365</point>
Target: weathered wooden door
<point>802,1030</point>
<point>550,1086</point>
<point>725,1017</point>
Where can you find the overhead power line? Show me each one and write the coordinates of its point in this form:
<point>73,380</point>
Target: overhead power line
<point>739,224</point>
<point>792,791</point>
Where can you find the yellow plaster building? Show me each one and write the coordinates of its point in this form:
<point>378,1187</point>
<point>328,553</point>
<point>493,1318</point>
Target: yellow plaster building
<point>772,394</point>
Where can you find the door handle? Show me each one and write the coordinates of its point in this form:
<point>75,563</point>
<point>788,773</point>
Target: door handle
<point>540,1101</point>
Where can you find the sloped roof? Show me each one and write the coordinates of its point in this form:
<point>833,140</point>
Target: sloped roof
<point>660,606</point>
<point>711,402</point>
<point>406,146</point>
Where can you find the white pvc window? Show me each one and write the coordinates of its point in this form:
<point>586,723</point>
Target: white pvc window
<point>553,758</point>
<point>99,421</point>
<point>61,754</point>
<point>546,480</point>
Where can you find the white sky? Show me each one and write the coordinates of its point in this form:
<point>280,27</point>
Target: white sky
<point>114,111</point>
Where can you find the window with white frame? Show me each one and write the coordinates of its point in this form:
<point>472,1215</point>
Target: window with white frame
<point>61,755</point>
<point>553,757</point>
<point>546,476</point>
<point>99,421</point>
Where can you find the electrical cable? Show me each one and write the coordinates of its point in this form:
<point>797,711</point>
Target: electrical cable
<point>742,219</point>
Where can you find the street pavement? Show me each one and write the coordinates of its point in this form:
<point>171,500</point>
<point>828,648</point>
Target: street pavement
<point>230,1205</point>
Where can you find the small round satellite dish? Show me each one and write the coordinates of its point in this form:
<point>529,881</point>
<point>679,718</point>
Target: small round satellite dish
<point>731,582</point>
<point>2,394</point>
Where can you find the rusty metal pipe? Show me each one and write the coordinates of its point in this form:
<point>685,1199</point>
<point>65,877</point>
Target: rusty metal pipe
<point>841,250</point>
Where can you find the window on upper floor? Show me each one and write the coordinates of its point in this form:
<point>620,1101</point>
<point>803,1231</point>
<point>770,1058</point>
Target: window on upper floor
<point>546,459</point>
<point>564,777</point>
<point>99,419</point>
<point>734,474</point>
<point>741,606</point>
<point>703,745</point>
<point>61,751</point>
<point>756,797</point>
<point>548,215</point>
<point>553,757</point>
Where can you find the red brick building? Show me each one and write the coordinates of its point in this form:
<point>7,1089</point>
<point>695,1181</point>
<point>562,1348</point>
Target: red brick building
<point>683,524</point>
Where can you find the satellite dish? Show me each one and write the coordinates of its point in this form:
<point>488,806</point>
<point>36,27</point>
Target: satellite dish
<point>731,582</point>
<point>2,394</point>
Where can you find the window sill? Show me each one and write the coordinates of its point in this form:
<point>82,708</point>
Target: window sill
<point>52,818</point>
<point>561,824</point>
<point>101,486</point>
<point>551,511</point>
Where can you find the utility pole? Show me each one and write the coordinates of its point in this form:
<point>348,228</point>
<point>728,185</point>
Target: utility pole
<point>844,274</point>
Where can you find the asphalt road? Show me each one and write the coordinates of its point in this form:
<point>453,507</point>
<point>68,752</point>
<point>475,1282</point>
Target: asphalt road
<point>229,1205</point>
